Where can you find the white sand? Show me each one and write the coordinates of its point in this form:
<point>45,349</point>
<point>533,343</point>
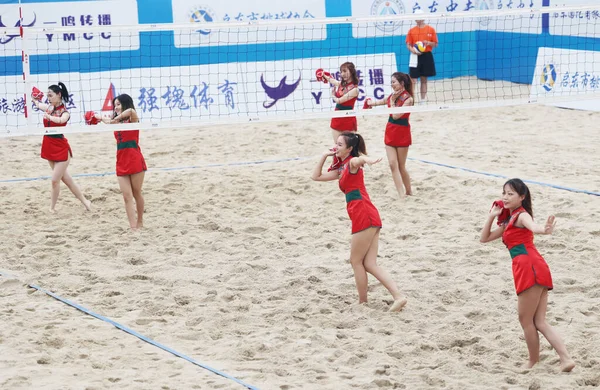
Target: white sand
<point>244,267</point>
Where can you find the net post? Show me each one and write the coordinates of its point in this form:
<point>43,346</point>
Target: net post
<point>25,65</point>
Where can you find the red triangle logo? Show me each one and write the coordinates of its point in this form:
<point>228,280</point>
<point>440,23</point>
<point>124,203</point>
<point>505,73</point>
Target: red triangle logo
<point>108,101</point>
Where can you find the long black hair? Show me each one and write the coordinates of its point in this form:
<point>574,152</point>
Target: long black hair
<point>521,188</point>
<point>356,141</point>
<point>126,102</point>
<point>405,80</point>
<point>353,75</point>
<point>61,90</point>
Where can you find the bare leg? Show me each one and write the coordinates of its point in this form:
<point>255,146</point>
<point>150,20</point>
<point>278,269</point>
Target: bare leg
<point>528,302</point>
<point>336,134</point>
<point>371,267</point>
<point>359,246</point>
<point>137,180</point>
<point>423,88</point>
<point>125,186</point>
<point>402,155</point>
<point>58,170</point>
<point>566,364</point>
<point>392,156</point>
<point>414,88</point>
<point>70,183</point>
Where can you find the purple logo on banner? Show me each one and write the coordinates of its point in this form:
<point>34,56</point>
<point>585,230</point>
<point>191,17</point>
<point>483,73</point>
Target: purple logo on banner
<point>282,91</point>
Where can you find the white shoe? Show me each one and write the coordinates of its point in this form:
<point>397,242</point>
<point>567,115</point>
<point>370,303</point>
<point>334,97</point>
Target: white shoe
<point>422,102</point>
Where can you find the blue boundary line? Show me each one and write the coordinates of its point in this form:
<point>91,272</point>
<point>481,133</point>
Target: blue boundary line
<point>211,165</point>
<point>141,337</point>
<point>559,187</point>
<point>244,163</point>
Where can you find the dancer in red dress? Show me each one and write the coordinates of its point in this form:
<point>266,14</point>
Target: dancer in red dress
<point>345,93</point>
<point>531,273</point>
<point>131,166</point>
<point>55,147</point>
<point>397,132</point>
<point>366,224</point>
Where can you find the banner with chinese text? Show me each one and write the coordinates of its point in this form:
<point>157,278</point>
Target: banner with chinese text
<point>205,13</point>
<point>70,14</point>
<point>204,92</point>
<point>565,74</point>
<point>531,24</point>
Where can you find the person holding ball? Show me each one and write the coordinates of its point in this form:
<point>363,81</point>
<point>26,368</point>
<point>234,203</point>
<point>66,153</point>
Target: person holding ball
<point>422,64</point>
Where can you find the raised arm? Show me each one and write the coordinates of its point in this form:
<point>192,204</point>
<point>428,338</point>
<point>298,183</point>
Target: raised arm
<point>487,234</point>
<point>318,175</point>
<point>331,80</point>
<point>102,118</point>
<point>408,102</point>
<point>64,118</point>
<point>527,222</point>
<point>127,114</point>
<point>359,162</point>
<point>347,96</point>
<point>41,106</point>
<point>373,102</point>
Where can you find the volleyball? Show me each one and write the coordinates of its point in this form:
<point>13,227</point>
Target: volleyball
<point>420,47</point>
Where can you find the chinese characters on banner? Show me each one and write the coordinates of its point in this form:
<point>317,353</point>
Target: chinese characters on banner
<point>246,12</point>
<point>580,81</point>
<point>583,23</point>
<point>378,8</point>
<point>71,14</point>
<point>206,92</point>
<point>187,97</point>
<point>563,73</point>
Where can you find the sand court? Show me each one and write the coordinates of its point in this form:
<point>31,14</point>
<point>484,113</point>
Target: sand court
<point>244,267</point>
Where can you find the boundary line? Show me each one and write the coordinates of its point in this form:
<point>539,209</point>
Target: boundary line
<point>556,186</point>
<point>259,162</point>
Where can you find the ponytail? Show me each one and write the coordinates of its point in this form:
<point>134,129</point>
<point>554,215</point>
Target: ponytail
<point>62,89</point>
<point>357,142</point>
<point>405,80</point>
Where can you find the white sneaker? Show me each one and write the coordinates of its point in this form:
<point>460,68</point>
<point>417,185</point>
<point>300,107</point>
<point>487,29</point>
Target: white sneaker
<point>422,102</point>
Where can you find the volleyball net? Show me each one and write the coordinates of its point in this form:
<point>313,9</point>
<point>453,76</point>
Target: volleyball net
<point>217,72</point>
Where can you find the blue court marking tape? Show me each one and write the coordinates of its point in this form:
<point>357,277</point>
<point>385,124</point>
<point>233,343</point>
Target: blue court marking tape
<point>237,163</point>
<point>141,337</point>
<point>242,163</point>
<point>559,187</point>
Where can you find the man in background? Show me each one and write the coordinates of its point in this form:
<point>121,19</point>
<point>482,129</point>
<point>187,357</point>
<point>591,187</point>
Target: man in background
<point>421,64</point>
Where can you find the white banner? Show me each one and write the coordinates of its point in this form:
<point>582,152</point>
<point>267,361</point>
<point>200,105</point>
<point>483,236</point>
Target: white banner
<point>272,83</point>
<point>585,23</point>
<point>203,92</point>
<point>204,13</point>
<point>71,14</point>
<point>524,24</point>
<point>564,74</point>
<point>12,107</point>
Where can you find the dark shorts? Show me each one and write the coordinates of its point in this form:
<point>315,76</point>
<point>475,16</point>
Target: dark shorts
<point>425,66</point>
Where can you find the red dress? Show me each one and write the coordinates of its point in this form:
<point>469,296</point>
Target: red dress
<point>528,266</point>
<point>129,155</point>
<point>345,123</point>
<point>55,147</point>
<point>361,211</point>
<point>397,131</point>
